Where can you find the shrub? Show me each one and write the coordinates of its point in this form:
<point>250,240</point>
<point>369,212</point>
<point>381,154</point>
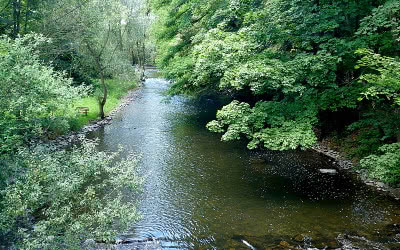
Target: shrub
<point>386,165</point>
<point>59,199</point>
<point>34,97</point>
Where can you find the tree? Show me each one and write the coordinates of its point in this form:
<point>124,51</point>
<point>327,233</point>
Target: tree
<point>270,56</point>
<point>34,97</point>
<point>52,199</point>
<point>97,30</point>
<point>18,17</point>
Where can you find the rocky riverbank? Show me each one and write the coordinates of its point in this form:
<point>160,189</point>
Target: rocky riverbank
<point>303,241</point>
<point>343,164</point>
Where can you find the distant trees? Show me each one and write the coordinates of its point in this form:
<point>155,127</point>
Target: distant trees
<point>18,16</point>
<point>97,30</point>
<point>91,38</point>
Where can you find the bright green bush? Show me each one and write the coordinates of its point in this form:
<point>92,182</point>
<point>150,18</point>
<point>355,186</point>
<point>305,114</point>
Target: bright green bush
<point>273,125</point>
<point>383,78</point>
<point>384,166</point>
<point>33,97</point>
<point>56,200</point>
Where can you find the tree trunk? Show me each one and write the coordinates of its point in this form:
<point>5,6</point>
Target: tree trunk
<point>120,40</point>
<point>144,52</point>
<point>397,113</point>
<point>138,54</point>
<point>16,17</point>
<point>27,13</point>
<point>103,100</point>
<point>133,57</point>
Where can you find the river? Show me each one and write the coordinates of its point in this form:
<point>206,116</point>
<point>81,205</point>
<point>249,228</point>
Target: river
<point>201,193</point>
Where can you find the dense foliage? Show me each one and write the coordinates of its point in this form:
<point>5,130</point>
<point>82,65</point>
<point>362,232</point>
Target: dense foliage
<point>51,51</point>
<point>34,97</point>
<point>66,197</point>
<point>385,165</point>
<point>292,67</point>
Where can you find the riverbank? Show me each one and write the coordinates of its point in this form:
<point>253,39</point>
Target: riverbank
<point>92,122</point>
<point>344,164</point>
<point>117,90</point>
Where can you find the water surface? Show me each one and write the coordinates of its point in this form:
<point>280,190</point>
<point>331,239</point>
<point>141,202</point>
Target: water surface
<point>202,193</point>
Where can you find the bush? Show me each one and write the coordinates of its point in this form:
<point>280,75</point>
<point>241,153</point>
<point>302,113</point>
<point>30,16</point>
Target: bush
<point>34,97</point>
<point>59,199</point>
<point>386,165</point>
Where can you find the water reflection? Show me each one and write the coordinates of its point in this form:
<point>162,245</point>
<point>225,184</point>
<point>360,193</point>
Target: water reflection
<point>200,192</point>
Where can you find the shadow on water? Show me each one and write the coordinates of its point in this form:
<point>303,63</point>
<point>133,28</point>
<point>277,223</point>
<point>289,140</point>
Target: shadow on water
<point>202,193</point>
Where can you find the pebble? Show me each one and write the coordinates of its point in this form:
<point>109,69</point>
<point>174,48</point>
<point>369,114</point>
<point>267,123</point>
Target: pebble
<point>380,184</point>
<point>299,238</point>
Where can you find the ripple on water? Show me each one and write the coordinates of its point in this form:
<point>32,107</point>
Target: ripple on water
<point>200,192</point>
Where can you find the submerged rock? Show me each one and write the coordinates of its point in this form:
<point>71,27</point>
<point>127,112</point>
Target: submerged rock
<point>257,161</point>
<point>299,238</point>
<point>328,171</point>
<point>284,244</point>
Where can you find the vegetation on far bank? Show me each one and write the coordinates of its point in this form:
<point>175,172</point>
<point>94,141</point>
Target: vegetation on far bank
<point>296,71</point>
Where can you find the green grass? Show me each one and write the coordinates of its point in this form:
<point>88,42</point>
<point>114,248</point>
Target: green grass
<point>117,89</point>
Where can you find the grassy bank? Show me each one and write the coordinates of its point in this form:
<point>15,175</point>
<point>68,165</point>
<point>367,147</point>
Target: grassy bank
<point>117,89</point>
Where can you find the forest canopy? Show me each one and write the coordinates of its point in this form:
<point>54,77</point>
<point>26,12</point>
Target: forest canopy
<point>296,71</point>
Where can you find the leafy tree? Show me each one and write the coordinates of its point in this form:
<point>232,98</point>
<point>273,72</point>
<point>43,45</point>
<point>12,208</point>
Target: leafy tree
<point>267,54</point>
<point>290,124</point>
<point>34,97</point>
<point>382,77</point>
<point>96,30</point>
<point>381,29</point>
<point>18,16</point>
<point>275,56</point>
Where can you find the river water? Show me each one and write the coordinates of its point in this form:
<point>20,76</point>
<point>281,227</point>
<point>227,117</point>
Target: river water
<point>201,193</point>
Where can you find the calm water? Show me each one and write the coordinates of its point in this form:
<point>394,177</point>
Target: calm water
<point>200,193</point>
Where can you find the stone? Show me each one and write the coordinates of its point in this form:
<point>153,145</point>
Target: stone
<point>328,171</point>
<point>299,238</point>
<point>284,244</point>
<point>89,243</point>
<point>333,245</point>
<point>380,184</point>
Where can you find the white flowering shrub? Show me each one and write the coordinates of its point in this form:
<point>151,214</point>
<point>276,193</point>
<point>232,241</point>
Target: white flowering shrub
<point>57,200</point>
